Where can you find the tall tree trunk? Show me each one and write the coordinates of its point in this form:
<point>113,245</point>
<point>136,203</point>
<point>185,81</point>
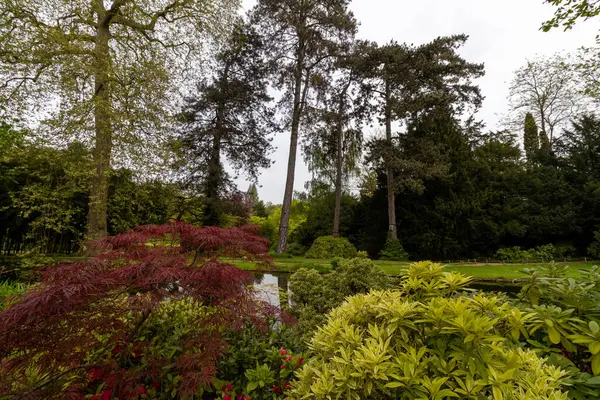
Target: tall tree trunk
<point>339,161</point>
<point>299,97</point>
<point>338,182</point>
<point>98,202</point>
<point>393,228</point>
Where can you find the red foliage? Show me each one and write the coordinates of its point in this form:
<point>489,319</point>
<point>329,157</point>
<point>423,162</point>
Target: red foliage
<point>56,325</point>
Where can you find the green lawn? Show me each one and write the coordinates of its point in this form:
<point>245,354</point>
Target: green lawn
<point>480,271</point>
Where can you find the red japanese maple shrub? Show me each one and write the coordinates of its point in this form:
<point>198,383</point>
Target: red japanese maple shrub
<point>82,329</point>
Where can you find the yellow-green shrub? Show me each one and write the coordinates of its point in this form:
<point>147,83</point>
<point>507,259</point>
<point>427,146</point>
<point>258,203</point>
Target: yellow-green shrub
<point>329,247</point>
<point>425,342</point>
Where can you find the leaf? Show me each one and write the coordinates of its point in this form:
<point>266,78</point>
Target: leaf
<point>394,384</point>
<point>497,393</point>
<point>252,386</point>
<point>594,327</point>
<point>554,335</point>
<point>596,364</point>
<point>595,348</point>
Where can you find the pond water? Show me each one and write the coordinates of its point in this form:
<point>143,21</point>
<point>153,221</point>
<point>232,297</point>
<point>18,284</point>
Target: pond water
<point>268,285</point>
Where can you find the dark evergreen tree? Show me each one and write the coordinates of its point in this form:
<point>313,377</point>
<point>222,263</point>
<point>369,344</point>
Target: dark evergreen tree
<point>409,81</point>
<point>531,140</point>
<point>229,118</point>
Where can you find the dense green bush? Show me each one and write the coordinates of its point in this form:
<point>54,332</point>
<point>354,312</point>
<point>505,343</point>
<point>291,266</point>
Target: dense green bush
<point>547,252</point>
<point>424,342</point>
<point>594,249</point>
<point>296,249</point>
<point>393,250</point>
<point>330,247</point>
<point>564,323</point>
<point>313,294</point>
<point>258,363</point>
<point>512,254</point>
<point>562,251</point>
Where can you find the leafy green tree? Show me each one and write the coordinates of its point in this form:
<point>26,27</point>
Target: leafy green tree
<point>302,36</point>
<point>133,203</point>
<point>113,68</point>
<point>568,12</point>
<point>230,117</point>
<point>44,194</point>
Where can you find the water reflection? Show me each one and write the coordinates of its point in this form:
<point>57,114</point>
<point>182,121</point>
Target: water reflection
<point>270,286</point>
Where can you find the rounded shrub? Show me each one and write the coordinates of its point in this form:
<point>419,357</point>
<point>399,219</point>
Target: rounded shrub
<point>425,342</point>
<point>314,294</point>
<point>330,247</point>
<point>393,250</point>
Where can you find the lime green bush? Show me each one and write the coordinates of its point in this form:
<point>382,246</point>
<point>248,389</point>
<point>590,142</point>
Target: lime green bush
<point>330,247</point>
<point>425,341</point>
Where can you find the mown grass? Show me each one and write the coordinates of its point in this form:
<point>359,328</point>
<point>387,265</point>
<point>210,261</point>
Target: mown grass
<point>395,268</point>
<point>480,271</point>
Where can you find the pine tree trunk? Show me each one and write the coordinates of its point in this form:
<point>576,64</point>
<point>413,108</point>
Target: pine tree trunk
<point>339,163</point>
<point>393,229</point>
<point>98,202</point>
<point>338,183</point>
<point>299,97</point>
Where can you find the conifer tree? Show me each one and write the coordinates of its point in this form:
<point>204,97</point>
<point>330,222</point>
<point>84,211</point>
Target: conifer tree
<point>531,138</point>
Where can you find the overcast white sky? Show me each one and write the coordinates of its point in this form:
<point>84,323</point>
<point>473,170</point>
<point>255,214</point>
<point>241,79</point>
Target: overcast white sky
<point>503,34</point>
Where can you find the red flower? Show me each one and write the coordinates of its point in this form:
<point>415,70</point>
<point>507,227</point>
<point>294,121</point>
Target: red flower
<point>142,390</point>
<point>229,387</point>
<point>287,386</point>
<point>95,374</point>
<point>276,389</point>
<point>300,359</point>
<point>227,397</point>
<point>284,366</point>
<point>106,395</point>
<point>288,358</point>
<point>283,352</point>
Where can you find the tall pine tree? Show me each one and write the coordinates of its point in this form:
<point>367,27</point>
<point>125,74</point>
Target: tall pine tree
<point>302,36</point>
<point>230,117</point>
